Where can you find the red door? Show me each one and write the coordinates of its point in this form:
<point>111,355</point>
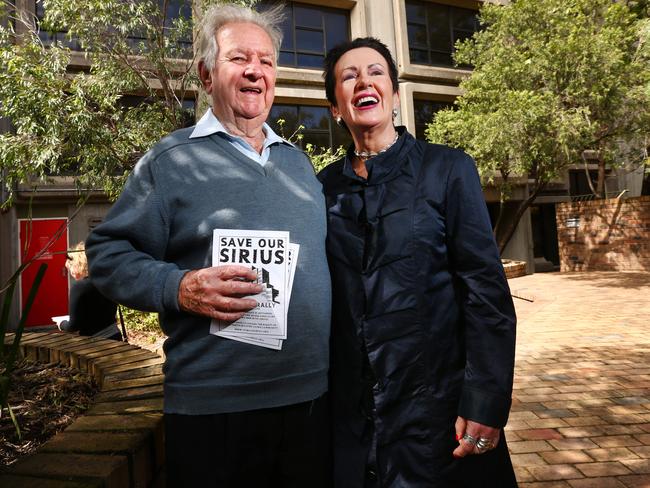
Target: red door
<point>52,297</point>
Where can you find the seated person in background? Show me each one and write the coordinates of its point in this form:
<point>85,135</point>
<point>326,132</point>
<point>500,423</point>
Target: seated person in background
<point>91,313</point>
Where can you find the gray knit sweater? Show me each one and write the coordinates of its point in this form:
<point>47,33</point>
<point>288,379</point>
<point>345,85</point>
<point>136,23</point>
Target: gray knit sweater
<point>161,227</point>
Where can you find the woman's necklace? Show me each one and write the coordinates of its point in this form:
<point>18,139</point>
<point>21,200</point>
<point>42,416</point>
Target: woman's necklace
<point>370,154</point>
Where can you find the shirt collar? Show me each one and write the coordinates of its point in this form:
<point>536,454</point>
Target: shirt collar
<point>210,124</point>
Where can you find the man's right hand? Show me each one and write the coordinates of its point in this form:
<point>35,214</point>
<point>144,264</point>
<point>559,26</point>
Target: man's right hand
<point>219,292</point>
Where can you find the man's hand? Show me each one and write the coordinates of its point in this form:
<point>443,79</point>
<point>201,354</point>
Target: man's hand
<point>218,292</point>
<point>469,434</point>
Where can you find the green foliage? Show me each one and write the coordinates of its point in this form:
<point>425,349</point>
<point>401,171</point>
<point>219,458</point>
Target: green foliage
<point>140,321</point>
<point>319,156</point>
<point>551,79</point>
<point>76,123</point>
<point>641,8</point>
<point>8,356</point>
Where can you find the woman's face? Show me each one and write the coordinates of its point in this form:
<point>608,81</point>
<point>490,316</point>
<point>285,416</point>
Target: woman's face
<point>363,90</point>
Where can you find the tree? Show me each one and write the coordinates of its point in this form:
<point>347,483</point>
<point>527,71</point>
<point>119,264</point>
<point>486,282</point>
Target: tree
<point>78,124</point>
<point>641,8</point>
<point>551,79</point>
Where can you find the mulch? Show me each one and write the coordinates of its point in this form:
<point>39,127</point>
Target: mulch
<point>45,398</point>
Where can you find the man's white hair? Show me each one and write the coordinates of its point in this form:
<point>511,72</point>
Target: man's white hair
<point>219,16</point>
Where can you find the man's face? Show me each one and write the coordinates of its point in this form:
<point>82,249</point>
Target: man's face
<point>242,82</point>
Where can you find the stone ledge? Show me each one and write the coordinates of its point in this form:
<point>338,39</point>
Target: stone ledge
<point>118,442</point>
<point>514,269</point>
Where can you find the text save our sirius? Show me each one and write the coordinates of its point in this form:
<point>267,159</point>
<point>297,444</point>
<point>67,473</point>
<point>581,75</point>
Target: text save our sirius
<point>243,250</point>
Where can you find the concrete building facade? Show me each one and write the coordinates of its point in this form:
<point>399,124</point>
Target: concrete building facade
<point>420,33</point>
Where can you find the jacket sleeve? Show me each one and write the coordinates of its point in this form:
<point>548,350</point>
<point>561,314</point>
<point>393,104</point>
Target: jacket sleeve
<point>486,308</point>
<point>77,299</point>
<point>126,252</point>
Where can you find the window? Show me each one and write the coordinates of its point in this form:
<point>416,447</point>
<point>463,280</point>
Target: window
<point>175,10</point>
<point>179,10</point>
<point>53,37</point>
<point>424,112</point>
<point>433,29</point>
<point>319,127</point>
<point>309,32</point>
<point>188,111</point>
<point>8,15</point>
<point>578,184</point>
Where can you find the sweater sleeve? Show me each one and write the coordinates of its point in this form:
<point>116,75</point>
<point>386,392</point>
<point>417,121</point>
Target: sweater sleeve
<point>126,251</point>
<point>487,311</point>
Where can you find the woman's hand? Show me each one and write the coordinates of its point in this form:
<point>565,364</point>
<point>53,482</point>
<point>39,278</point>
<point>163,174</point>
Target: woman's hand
<point>474,438</point>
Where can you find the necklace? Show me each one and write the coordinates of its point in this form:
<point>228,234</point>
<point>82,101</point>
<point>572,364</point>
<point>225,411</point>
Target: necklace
<point>370,154</point>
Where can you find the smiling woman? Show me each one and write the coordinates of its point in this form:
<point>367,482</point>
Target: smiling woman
<point>365,97</point>
<point>422,365</point>
<point>362,87</point>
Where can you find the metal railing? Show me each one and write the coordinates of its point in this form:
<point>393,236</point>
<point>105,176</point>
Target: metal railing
<point>590,196</point>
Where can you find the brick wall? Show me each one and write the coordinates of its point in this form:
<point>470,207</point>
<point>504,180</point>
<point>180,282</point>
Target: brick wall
<point>604,235</point>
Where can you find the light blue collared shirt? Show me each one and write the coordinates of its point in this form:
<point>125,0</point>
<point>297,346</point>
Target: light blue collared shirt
<point>209,124</point>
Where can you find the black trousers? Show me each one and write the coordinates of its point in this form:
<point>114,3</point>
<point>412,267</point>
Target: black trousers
<point>283,447</point>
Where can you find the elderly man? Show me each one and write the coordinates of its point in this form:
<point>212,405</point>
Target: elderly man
<point>235,414</point>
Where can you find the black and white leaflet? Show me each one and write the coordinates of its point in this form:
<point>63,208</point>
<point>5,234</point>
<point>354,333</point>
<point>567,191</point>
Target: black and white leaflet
<point>268,342</point>
<point>267,252</point>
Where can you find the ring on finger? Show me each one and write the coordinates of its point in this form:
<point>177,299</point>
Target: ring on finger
<point>484,444</point>
<point>469,439</point>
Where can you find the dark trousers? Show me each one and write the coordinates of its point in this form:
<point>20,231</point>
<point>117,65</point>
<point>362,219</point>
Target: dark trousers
<point>283,447</point>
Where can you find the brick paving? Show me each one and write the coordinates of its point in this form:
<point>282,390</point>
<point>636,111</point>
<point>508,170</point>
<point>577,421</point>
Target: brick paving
<point>581,408</point>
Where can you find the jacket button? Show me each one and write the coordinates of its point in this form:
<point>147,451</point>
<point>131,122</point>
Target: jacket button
<point>371,475</point>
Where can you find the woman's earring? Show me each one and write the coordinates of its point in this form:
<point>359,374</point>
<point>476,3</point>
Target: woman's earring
<point>339,121</point>
<point>394,113</point>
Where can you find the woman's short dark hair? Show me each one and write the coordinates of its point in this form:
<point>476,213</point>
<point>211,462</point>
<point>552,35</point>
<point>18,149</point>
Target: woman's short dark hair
<point>336,52</point>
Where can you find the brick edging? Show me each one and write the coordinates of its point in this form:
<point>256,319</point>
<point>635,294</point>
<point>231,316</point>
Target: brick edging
<point>514,269</point>
<point>118,441</point>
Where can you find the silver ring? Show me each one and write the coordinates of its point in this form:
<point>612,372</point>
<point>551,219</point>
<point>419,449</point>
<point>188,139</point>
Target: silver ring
<point>469,439</point>
<point>484,444</point>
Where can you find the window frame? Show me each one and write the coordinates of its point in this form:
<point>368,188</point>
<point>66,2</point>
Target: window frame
<point>314,103</point>
<point>450,12</point>
<point>448,103</point>
<point>410,91</point>
<point>421,72</point>
<point>296,51</point>
<point>49,38</point>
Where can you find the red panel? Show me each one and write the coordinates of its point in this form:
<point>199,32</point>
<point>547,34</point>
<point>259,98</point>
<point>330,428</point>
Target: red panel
<point>52,297</point>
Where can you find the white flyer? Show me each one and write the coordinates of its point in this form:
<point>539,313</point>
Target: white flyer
<point>268,342</point>
<point>267,252</point>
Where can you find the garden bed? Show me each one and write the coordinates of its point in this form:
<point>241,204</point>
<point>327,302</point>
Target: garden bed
<point>45,398</point>
<point>118,441</point>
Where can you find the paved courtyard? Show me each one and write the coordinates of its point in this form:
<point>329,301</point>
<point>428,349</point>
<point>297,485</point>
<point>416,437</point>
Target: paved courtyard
<point>581,408</point>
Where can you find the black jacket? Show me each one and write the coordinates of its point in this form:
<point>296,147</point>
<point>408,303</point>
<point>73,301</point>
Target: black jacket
<point>423,325</point>
<point>90,311</point>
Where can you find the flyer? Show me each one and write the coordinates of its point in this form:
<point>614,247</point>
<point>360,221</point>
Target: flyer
<point>270,343</point>
<point>268,253</point>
